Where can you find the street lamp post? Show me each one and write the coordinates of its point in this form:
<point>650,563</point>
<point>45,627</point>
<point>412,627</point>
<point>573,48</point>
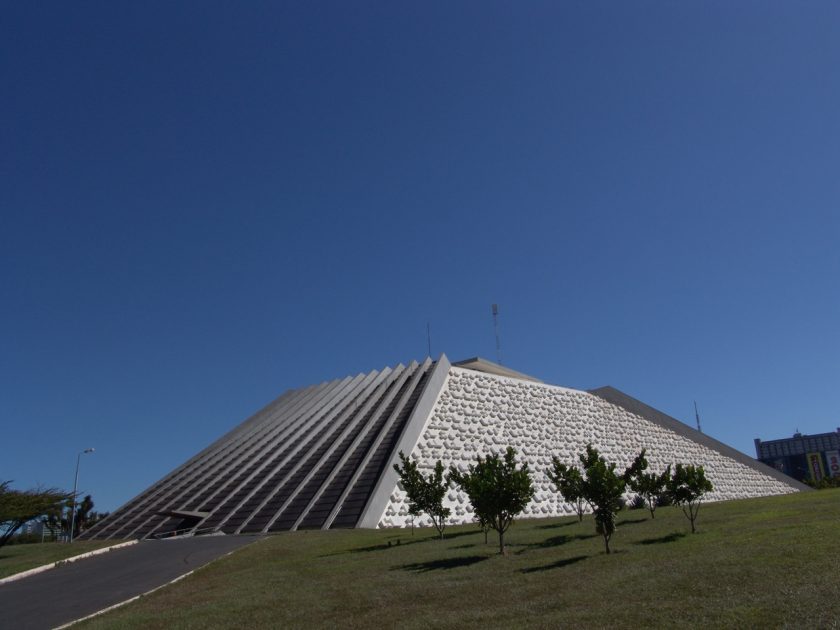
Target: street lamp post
<point>75,485</point>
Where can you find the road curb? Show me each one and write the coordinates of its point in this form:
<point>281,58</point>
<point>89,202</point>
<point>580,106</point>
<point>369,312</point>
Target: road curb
<point>58,563</point>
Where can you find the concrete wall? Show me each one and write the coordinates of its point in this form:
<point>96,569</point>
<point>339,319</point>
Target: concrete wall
<point>478,413</point>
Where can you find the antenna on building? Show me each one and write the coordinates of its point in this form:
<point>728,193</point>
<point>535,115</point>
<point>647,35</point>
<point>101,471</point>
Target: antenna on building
<point>429,336</point>
<point>496,327</point>
<point>697,416</point>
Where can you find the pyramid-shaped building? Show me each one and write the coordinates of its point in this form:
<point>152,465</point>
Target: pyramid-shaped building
<point>321,457</point>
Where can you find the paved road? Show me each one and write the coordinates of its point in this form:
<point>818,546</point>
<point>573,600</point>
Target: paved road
<point>61,595</point>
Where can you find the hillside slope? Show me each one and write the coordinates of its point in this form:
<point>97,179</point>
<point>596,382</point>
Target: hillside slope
<point>767,562</point>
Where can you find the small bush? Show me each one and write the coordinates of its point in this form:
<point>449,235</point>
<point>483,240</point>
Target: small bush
<point>824,483</point>
<point>24,539</point>
<point>638,503</point>
<point>664,499</point>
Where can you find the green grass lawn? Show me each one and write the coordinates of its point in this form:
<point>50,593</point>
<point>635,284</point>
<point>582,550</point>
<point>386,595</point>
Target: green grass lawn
<point>17,558</point>
<point>754,563</point>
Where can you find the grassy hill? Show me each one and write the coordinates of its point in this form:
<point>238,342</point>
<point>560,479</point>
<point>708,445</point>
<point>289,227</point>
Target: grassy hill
<point>769,562</point>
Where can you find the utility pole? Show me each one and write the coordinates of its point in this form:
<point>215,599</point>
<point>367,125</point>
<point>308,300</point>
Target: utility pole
<point>697,416</point>
<point>75,485</point>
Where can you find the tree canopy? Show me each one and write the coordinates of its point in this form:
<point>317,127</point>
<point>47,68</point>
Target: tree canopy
<point>603,489</point>
<point>19,506</point>
<point>686,489</point>
<point>424,494</point>
<point>648,485</point>
<point>569,483</point>
<point>497,489</point>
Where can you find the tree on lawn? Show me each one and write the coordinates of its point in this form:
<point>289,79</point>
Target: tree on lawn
<point>86,517</point>
<point>686,489</point>
<point>569,483</point>
<point>424,494</point>
<point>57,518</point>
<point>484,525</point>
<point>603,489</point>
<point>497,489</point>
<point>648,485</point>
<point>410,482</point>
<point>19,506</point>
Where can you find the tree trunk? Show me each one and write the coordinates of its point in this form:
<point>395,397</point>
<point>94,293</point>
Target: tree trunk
<point>501,542</point>
<point>607,543</point>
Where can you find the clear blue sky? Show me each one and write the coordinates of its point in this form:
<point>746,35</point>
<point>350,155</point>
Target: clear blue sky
<point>205,204</point>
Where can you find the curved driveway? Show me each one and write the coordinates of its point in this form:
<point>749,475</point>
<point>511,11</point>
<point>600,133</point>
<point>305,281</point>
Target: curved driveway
<point>67,593</point>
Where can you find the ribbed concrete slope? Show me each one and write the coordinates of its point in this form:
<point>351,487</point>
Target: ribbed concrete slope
<point>310,459</point>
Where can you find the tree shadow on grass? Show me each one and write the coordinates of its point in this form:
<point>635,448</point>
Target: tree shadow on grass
<point>631,521</point>
<point>444,563</point>
<point>662,539</point>
<point>399,541</point>
<point>471,545</point>
<point>451,535</point>
<point>556,525</point>
<point>556,541</point>
<point>555,565</point>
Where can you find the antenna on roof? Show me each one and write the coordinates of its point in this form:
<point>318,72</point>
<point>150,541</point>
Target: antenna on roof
<point>429,336</point>
<point>496,327</point>
<point>697,416</point>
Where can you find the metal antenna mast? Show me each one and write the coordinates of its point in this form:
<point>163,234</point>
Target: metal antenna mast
<point>496,327</point>
<point>697,416</point>
<point>429,336</point>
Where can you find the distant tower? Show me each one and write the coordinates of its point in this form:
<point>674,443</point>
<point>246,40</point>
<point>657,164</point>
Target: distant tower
<point>496,327</point>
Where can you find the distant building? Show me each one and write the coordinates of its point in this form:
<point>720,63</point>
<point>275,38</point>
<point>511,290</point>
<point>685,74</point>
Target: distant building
<point>803,457</point>
<point>37,527</point>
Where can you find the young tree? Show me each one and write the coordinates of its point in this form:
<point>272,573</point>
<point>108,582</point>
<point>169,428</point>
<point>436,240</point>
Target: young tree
<point>19,506</point>
<point>569,483</point>
<point>409,479</point>
<point>85,516</point>
<point>648,485</point>
<point>686,489</point>
<point>424,494</point>
<point>603,489</point>
<point>497,489</point>
<point>57,518</point>
<point>484,525</point>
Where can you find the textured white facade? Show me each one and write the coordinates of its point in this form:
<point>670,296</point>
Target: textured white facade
<point>478,413</point>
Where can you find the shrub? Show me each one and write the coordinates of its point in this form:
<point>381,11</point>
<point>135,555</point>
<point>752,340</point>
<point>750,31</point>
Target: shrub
<point>569,483</point>
<point>603,489</point>
<point>687,487</point>
<point>497,489</point>
<point>424,494</point>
